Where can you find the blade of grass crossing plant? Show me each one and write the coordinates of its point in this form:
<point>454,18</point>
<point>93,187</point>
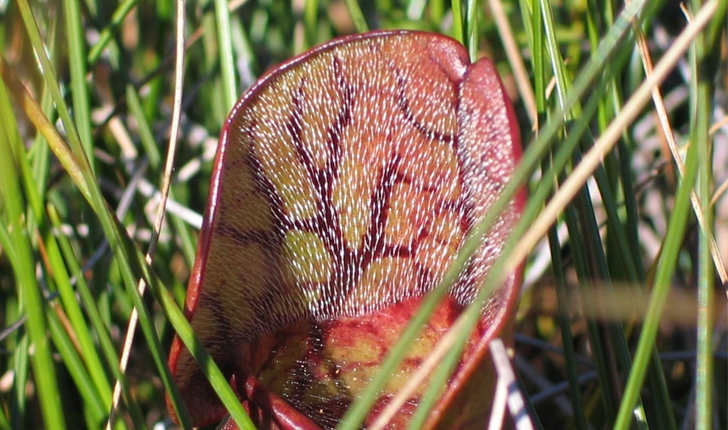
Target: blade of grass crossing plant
<point>24,269</point>
<point>438,380</point>
<point>222,19</point>
<point>217,380</point>
<point>137,265</point>
<point>77,64</point>
<point>131,264</point>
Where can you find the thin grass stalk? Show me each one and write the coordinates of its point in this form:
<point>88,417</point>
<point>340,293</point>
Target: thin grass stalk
<point>182,232</point>
<point>660,398</point>
<point>107,33</point>
<point>225,53</point>
<point>515,60</point>
<point>77,64</point>
<point>21,371</point>
<point>211,90</point>
<point>458,26</point>
<point>145,132</point>
<point>310,22</point>
<point>82,381</point>
<point>470,26</point>
<point>39,153</point>
<point>700,109</point>
<point>563,85</point>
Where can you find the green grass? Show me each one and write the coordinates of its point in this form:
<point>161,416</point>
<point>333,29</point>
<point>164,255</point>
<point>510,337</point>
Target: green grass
<point>624,293</point>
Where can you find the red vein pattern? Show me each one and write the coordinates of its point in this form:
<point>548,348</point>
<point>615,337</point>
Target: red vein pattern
<point>344,184</point>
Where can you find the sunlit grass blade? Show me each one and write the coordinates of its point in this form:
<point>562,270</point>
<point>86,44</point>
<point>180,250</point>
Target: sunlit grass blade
<point>229,87</point>
<point>77,63</point>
